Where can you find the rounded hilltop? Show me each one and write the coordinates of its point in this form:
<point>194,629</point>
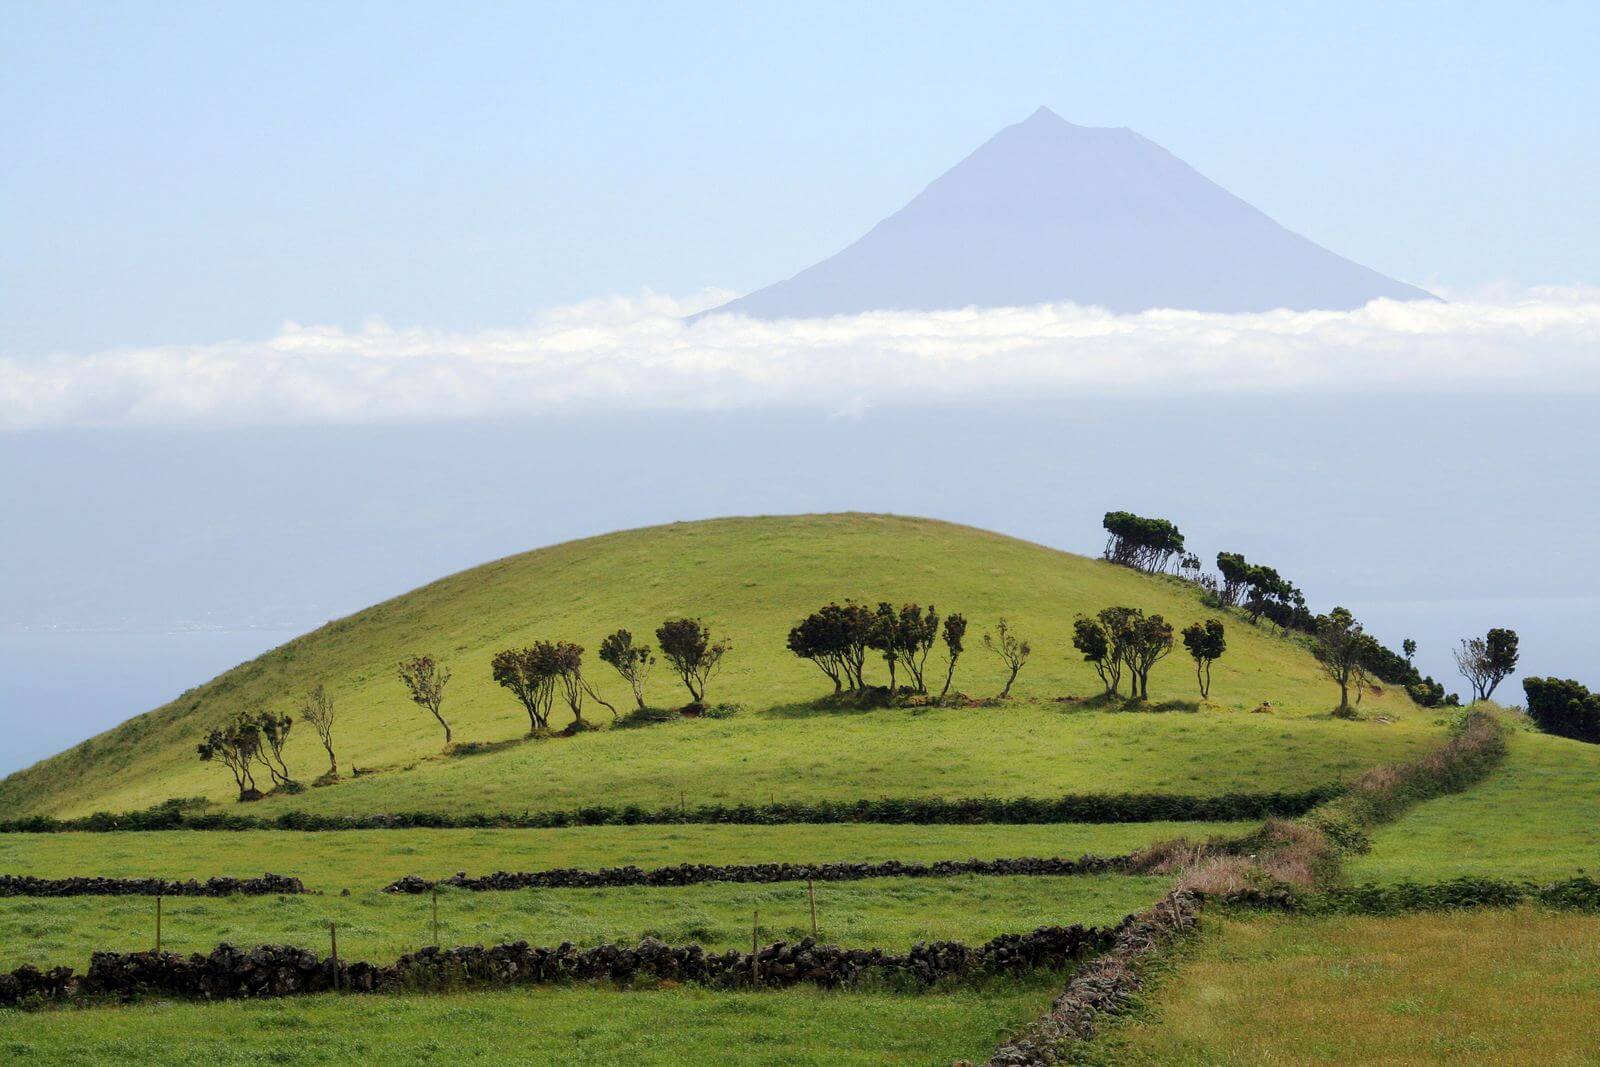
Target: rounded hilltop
<point>750,580</point>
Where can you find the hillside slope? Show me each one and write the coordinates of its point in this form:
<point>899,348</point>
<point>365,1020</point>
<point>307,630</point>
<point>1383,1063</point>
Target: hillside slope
<point>750,579</point>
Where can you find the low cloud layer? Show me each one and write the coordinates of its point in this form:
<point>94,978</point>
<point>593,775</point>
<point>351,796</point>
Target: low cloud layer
<point>638,354</point>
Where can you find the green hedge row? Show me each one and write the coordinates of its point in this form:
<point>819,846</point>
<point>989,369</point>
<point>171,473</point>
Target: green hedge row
<point>1579,894</point>
<point>1106,808</point>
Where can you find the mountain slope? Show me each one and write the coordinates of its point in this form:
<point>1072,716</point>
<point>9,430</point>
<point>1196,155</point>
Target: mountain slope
<point>750,579</point>
<point>1047,211</point>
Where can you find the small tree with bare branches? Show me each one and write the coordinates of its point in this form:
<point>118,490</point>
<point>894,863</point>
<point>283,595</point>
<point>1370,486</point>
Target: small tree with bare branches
<point>317,709</point>
<point>1011,650</point>
<point>274,735</point>
<point>632,661</point>
<point>425,680</point>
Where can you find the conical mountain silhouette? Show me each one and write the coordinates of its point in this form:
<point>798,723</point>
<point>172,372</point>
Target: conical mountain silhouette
<point>1047,211</point>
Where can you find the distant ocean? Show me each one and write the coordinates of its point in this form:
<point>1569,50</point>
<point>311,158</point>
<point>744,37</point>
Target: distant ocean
<point>58,687</point>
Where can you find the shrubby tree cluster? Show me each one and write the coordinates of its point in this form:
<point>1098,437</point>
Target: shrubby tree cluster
<point>1145,544</point>
<point>246,741</point>
<point>1563,707</point>
<point>838,637</point>
<point>1123,641</point>
<point>235,746</point>
<point>1261,592</point>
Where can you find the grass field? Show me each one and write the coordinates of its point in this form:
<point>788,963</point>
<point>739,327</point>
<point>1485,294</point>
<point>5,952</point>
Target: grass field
<point>1485,987</point>
<point>750,579</point>
<point>1026,750</point>
<point>1537,817</point>
<point>371,859</point>
<point>595,1027</point>
<point>884,912</point>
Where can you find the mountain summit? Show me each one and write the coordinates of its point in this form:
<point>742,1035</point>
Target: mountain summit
<point>1048,211</point>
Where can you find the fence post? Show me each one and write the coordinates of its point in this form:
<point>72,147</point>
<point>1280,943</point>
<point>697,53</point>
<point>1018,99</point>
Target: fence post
<point>158,924</point>
<point>811,892</point>
<point>755,945</point>
<point>435,916</point>
<point>333,937</point>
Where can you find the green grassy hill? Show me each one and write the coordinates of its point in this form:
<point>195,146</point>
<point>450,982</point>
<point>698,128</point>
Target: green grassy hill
<point>750,579</point>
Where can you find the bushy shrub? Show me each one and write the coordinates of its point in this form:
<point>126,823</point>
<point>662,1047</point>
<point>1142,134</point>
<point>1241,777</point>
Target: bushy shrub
<point>1563,707</point>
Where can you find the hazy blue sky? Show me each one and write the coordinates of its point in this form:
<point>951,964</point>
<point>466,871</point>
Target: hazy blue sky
<point>194,172</point>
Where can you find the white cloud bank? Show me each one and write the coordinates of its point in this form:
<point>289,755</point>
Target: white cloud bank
<point>638,354</point>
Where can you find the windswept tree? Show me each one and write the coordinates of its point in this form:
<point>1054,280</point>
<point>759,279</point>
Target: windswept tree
<point>317,710</point>
<point>1010,649</point>
<point>1235,578</point>
<point>632,661</point>
<point>687,647</point>
<point>529,674</point>
<point>1487,661</point>
<point>274,730</point>
<point>1091,639</point>
<point>819,638</point>
<point>1342,647</point>
<point>567,663</point>
<point>954,635</point>
<point>1271,594</point>
<point>918,631</point>
<point>835,638</point>
<point>1206,642</point>
<point>884,639</point>
<point>234,745</point>
<point>1147,642</point>
<point>1145,544</point>
<point>1408,648</point>
<point>425,680</point>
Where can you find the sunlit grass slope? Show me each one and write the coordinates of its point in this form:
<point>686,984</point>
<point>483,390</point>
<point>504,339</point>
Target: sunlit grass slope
<point>750,579</point>
<point>1537,816</point>
<point>1481,987</point>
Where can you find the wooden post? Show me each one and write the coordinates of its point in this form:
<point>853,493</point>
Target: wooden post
<point>755,932</point>
<point>158,924</point>
<point>333,937</point>
<point>436,916</point>
<point>811,891</point>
